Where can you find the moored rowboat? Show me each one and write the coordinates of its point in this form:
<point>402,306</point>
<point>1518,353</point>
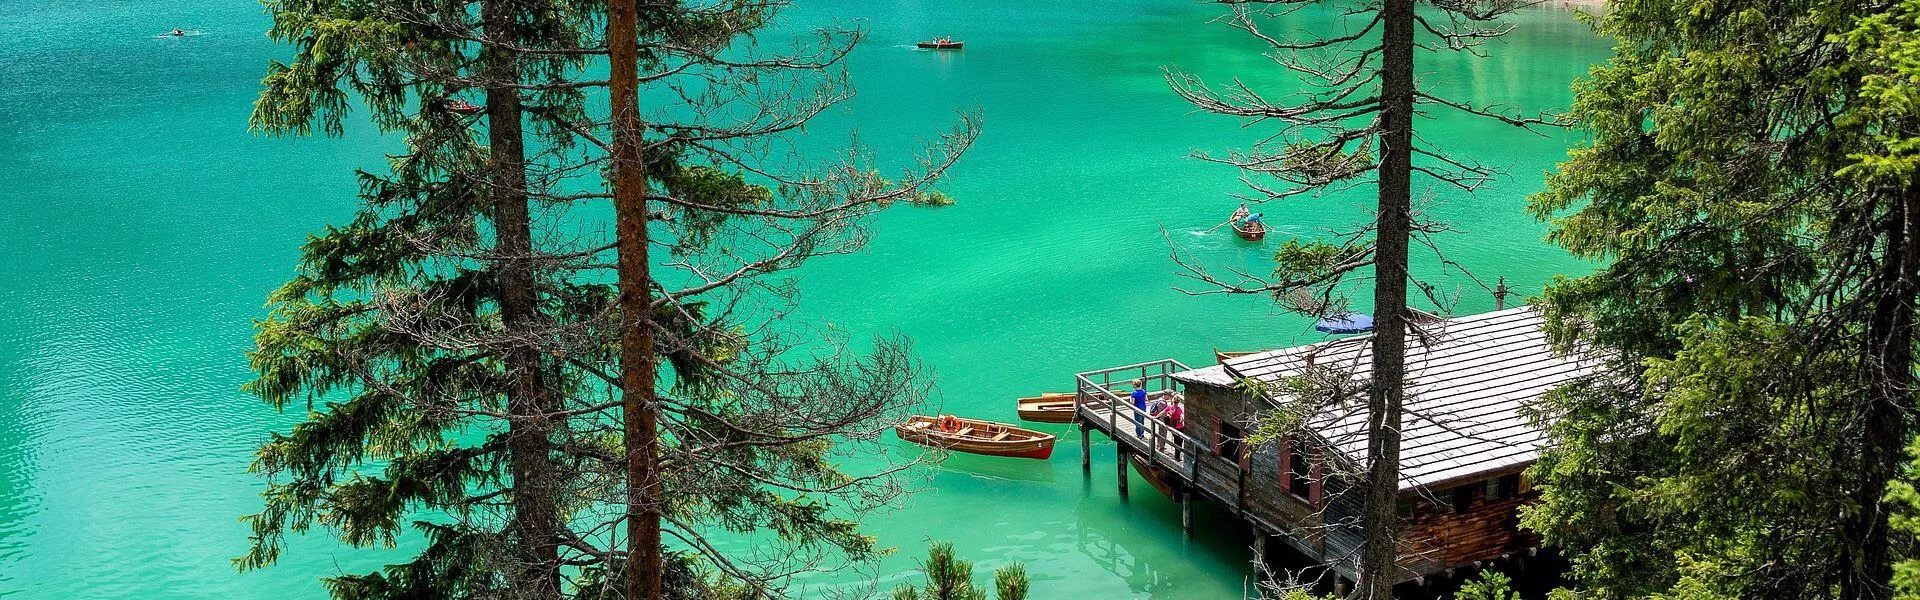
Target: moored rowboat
<point>1051,407</point>
<point>1155,476</point>
<point>976,436</point>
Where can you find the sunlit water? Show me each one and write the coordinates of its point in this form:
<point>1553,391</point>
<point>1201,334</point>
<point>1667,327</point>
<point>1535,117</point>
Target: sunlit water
<point>141,226</point>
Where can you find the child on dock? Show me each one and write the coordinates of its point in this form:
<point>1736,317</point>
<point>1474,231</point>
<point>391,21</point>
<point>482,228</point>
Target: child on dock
<point>1140,407</point>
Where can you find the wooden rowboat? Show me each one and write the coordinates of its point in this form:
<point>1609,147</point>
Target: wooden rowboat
<point>941,44</point>
<point>1251,233</point>
<point>977,437</point>
<point>1051,407</point>
<point>1155,476</point>
<point>1223,355</point>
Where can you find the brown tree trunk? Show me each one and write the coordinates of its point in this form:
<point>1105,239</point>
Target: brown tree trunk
<point>1378,550</point>
<point>643,564</point>
<point>1890,338</point>
<point>533,529</point>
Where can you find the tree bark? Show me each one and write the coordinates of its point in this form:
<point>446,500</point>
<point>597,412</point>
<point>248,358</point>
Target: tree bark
<point>533,528</point>
<point>1890,339</point>
<point>1378,549</point>
<point>642,569</point>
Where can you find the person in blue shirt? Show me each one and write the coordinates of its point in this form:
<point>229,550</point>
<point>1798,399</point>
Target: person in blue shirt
<point>1251,220</point>
<point>1140,406</point>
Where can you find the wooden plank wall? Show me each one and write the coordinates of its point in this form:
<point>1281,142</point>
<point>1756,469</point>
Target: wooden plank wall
<point>1436,539</point>
<point>1439,537</point>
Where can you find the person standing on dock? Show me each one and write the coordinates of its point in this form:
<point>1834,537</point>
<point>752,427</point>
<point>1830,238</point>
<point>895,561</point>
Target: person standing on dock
<point>1175,416</point>
<point>1139,407</point>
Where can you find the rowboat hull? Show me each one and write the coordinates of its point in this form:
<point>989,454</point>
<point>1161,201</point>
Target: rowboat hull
<point>940,45</point>
<point>1251,234</point>
<point>977,437</point>
<point>1154,476</point>
<point>1055,407</point>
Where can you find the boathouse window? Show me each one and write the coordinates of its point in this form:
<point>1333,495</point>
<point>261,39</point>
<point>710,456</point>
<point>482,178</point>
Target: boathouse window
<point>1299,473</point>
<point>1503,487</point>
<point>1463,497</point>
<point>1299,470</point>
<point>1228,439</point>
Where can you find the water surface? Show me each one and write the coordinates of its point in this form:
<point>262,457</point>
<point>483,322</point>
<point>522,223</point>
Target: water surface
<point>141,227</point>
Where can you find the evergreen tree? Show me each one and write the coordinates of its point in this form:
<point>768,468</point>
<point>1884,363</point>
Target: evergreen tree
<point>467,356</point>
<point>1353,119</point>
<point>950,578</point>
<point>1751,181</point>
<point>420,327</point>
<point>727,421</point>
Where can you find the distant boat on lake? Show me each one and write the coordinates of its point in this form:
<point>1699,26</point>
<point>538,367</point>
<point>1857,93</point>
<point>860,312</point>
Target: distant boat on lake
<point>941,43</point>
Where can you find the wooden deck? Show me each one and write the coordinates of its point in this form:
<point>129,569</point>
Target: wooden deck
<point>1192,466</point>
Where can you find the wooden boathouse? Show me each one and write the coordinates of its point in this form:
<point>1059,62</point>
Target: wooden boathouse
<point>1464,446</point>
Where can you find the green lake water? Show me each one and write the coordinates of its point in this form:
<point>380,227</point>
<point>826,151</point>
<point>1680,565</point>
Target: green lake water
<point>141,226</point>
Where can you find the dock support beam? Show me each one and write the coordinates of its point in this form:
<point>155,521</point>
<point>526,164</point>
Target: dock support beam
<point>1186,512</point>
<point>1339,586</point>
<point>1120,456</point>
<point>1086,450</point>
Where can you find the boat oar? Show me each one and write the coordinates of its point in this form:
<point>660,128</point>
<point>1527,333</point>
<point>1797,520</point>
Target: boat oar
<point>1210,229</point>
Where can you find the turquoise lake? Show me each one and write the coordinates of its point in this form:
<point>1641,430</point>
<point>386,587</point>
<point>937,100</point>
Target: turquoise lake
<point>141,226</point>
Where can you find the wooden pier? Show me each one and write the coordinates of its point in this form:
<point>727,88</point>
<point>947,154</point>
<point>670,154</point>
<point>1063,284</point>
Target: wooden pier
<point>1462,465</point>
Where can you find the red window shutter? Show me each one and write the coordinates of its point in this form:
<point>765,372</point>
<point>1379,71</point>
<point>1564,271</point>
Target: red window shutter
<point>1286,464</point>
<point>1314,480</point>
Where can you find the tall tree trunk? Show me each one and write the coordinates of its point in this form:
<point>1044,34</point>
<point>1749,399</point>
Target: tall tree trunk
<point>637,364</point>
<point>1384,396</point>
<point>1890,337</point>
<point>534,526</point>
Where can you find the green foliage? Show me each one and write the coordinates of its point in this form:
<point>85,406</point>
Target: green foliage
<point>1314,264</point>
<point>1318,162</point>
<point>1488,585</point>
<point>1742,189</point>
<point>391,332</point>
<point>1904,498</point>
<point>951,578</point>
<point>1010,582</point>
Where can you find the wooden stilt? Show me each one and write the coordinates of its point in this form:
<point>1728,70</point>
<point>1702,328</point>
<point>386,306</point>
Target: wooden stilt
<point>1186,513</point>
<point>1086,450</point>
<point>1120,454</point>
<point>1339,586</point>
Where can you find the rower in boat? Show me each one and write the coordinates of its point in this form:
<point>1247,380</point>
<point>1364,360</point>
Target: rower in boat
<point>941,43</point>
<point>464,107</point>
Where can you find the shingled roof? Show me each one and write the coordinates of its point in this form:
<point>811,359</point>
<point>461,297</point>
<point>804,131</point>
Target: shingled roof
<point>1465,387</point>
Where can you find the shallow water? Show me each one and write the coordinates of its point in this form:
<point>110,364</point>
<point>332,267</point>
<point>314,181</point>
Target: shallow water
<point>141,226</point>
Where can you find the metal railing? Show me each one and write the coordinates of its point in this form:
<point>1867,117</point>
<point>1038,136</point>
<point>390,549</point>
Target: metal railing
<point>1095,391</point>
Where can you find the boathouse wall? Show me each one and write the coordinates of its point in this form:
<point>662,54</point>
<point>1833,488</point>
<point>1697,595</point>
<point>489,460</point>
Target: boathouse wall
<point>1462,524</point>
<point>1472,522</point>
<point>1321,521</point>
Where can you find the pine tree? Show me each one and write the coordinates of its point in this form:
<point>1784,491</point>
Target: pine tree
<point>1354,119</point>
<point>421,326</point>
<point>736,433</point>
<point>467,352</point>
<point>951,578</point>
<point>1751,181</point>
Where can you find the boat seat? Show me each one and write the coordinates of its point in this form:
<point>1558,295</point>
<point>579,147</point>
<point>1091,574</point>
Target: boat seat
<point>1003,435</point>
<point>963,432</point>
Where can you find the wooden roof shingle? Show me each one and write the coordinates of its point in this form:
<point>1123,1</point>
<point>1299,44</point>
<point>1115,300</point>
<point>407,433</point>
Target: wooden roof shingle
<point>1465,388</point>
